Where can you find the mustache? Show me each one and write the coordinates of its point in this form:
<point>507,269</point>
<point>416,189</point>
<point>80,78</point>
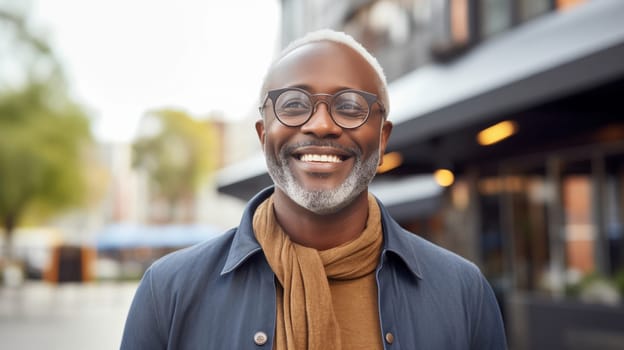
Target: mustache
<point>289,149</point>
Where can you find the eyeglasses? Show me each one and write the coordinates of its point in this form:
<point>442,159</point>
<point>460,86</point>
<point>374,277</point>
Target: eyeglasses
<point>348,108</point>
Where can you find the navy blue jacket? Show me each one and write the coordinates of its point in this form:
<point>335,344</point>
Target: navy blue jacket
<point>218,294</point>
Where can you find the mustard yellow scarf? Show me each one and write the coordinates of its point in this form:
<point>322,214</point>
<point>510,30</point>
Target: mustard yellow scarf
<point>305,314</point>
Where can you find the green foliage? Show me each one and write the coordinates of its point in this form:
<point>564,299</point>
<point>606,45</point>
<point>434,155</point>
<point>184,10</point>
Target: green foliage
<point>177,154</point>
<point>575,289</point>
<point>597,287</point>
<point>43,134</point>
<point>618,279</point>
<point>41,140</point>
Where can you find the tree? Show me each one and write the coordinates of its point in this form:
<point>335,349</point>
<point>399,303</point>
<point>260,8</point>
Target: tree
<point>43,134</point>
<point>177,153</point>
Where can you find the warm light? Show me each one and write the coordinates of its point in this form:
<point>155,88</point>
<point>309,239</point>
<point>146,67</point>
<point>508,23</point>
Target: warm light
<point>563,5</point>
<point>391,161</point>
<point>497,133</point>
<point>444,177</point>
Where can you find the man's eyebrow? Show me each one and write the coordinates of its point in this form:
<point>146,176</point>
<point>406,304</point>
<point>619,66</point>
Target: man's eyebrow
<point>300,86</point>
<point>308,88</point>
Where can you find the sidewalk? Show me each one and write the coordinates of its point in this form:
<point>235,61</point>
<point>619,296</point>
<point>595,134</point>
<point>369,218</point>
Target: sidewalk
<point>67,316</point>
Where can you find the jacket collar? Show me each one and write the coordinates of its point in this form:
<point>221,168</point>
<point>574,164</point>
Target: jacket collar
<point>244,244</point>
<point>399,241</point>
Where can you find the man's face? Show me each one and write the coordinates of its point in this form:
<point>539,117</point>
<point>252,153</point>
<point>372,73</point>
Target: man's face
<point>319,165</point>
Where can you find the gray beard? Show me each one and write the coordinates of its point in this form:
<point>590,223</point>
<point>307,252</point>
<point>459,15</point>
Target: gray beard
<point>329,201</point>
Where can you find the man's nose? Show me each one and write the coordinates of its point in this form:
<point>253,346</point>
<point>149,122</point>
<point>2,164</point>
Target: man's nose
<point>321,123</point>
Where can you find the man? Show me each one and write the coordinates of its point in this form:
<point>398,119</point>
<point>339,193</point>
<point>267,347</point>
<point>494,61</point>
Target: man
<point>317,262</point>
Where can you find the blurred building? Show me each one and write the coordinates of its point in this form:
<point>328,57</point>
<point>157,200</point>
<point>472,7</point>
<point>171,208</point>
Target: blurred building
<point>518,102</point>
<point>129,197</point>
<point>124,222</point>
<point>136,227</point>
<point>237,140</point>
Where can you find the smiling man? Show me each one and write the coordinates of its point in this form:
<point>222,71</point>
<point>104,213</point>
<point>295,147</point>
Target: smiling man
<point>317,262</point>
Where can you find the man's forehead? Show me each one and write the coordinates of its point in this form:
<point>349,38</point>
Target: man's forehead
<point>324,63</point>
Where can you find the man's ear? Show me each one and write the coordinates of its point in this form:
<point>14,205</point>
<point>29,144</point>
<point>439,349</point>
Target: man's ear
<point>386,130</point>
<point>260,131</point>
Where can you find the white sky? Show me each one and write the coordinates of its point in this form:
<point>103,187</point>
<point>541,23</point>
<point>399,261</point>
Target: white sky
<point>124,57</point>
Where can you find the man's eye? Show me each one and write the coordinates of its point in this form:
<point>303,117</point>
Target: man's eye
<point>293,107</point>
<point>295,104</point>
<point>350,109</point>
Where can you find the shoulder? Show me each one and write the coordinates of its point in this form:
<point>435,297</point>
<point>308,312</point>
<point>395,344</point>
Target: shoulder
<point>426,259</point>
<point>436,258</point>
<point>202,259</point>
<point>422,257</point>
<point>439,271</point>
<point>442,272</point>
<point>446,273</point>
<point>461,286</point>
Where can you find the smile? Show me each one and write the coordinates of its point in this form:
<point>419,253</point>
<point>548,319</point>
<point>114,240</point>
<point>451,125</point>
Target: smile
<point>320,158</point>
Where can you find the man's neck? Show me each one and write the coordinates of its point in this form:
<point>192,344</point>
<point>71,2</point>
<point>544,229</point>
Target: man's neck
<point>321,232</point>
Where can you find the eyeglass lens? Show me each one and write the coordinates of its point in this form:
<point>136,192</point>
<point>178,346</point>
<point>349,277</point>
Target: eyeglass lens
<point>348,109</point>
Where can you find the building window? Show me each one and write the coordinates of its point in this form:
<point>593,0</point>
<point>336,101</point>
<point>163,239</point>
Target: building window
<point>395,31</point>
<point>580,233</point>
<point>614,216</point>
<point>529,9</point>
<point>495,16</point>
<point>452,27</point>
<point>381,24</point>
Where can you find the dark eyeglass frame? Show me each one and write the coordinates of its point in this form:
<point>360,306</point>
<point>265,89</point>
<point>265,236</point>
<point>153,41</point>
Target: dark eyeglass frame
<point>315,99</point>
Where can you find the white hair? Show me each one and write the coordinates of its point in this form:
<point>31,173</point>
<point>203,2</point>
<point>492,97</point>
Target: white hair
<point>337,37</point>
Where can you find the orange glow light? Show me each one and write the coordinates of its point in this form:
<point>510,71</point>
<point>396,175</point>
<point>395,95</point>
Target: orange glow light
<point>497,133</point>
<point>444,177</point>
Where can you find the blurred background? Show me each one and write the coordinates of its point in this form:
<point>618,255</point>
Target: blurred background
<point>126,132</point>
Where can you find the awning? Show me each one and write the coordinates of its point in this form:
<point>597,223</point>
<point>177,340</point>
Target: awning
<point>124,236</point>
<point>409,197</point>
<point>245,178</point>
<point>551,56</point>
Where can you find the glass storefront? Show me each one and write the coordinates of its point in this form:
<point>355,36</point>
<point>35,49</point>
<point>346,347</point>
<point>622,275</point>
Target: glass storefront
<point>549,224</point>
<point>554,225</point>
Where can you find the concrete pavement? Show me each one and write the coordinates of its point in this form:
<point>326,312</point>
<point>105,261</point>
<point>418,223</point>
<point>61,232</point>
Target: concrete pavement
<point>67,316</point>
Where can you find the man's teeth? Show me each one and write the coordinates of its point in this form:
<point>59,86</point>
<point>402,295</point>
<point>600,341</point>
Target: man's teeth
<point>324,158</point>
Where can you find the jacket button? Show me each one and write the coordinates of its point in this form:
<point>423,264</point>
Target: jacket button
<point>389,338</point>
<point>260,338</point>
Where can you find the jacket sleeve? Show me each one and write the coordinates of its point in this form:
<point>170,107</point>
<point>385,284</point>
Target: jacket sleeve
<point>488,331</point>
<point>142,329</point>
